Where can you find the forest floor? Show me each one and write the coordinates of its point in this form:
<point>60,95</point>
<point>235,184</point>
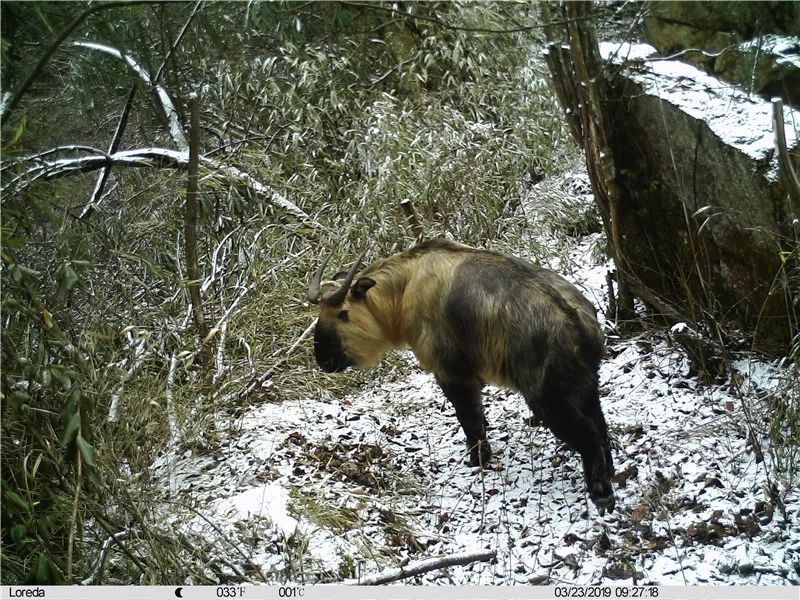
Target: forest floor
<point>325,490</point>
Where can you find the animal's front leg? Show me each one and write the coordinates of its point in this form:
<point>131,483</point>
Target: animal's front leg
<point>465,396</point>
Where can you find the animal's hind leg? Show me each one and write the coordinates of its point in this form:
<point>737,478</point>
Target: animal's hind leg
<point>596,415</point>
<point>465,396</point>
<point>572,412</point>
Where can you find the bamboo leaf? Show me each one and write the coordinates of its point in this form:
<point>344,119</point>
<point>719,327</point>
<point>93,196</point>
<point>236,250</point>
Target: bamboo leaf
<point>87,451</point>
<point>18,501</point>
<point>68,278</point>
<point>43,569</point>
<point>71,430</point>
<point>19,533</point>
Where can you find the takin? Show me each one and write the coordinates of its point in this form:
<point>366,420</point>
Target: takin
<point>473,317</point>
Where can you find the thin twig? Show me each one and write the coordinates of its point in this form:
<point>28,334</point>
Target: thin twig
<point>99,566</point>
<point>14,98</point>
<point>113,147</point>
<point>258,381</point>
<point>233,304</point>
<point>214,257</point>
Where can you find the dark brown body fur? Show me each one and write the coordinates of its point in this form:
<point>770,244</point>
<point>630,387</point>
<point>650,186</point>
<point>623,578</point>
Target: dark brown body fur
<point>473,317</point>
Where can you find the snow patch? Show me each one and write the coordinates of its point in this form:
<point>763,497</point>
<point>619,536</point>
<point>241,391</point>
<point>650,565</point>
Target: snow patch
<point>269,500</point>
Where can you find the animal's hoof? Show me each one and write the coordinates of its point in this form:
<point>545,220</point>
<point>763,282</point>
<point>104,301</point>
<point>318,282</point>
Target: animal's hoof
<point>480,454</point>
<point>599,487</point>
<point>603,503</point>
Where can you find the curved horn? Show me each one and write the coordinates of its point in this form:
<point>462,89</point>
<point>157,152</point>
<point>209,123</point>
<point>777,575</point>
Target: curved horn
<point>313,290</point>
<point>337,297</point>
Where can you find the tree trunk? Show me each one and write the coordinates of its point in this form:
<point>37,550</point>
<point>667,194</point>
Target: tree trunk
<point>582,89</point>
<point>190,235</point>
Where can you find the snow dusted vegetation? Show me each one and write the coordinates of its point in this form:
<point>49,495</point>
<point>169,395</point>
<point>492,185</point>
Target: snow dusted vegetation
<point>329,489</point>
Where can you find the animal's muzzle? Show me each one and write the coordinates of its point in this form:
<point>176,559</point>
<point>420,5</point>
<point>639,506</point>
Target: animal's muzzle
<point>328,350</point>
<point>332,366</point>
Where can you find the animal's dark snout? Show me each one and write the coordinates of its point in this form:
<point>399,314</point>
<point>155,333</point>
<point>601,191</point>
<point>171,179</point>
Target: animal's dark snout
<point>328,350</point>
<point>330,365</point>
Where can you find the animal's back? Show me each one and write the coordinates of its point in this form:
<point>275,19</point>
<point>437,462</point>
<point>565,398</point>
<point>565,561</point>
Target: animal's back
<point>508,316</point>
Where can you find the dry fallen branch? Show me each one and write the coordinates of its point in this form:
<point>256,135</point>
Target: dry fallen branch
<point>423,566</point>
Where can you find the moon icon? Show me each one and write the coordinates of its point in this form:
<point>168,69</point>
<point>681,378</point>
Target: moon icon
<point>178,592</point>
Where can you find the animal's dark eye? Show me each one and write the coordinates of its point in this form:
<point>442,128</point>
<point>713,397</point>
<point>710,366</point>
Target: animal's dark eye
<point>343,316</point>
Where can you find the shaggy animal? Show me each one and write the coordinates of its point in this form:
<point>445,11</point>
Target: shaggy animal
<point>472,317</point>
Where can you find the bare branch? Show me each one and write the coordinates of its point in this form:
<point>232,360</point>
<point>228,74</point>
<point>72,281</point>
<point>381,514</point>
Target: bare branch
<point>153,158</point>
<point>190,232</point>
<point>175,127</point>
<point>60,150</point>
<point>103,178</point>
<point>792,181</point>
<point>141,157</point>
<point>422,566</point>
<point>11,100</point>
<point>177,41</point>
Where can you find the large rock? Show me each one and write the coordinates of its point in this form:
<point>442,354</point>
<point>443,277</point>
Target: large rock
<point>707,221</point>
<point>768,65</point>
<point>753,44</point>
<point>744,20</point>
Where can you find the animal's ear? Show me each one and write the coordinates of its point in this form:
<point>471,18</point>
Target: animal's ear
<point>360,287</point>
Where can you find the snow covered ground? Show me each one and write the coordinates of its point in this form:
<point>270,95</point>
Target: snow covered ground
<point>326,488</point>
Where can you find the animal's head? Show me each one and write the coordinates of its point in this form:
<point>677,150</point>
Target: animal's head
<point>347,333</point>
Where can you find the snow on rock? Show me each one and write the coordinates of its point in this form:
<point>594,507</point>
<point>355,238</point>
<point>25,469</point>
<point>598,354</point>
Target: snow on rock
<point>740,120</point>
<point>786,49</point>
